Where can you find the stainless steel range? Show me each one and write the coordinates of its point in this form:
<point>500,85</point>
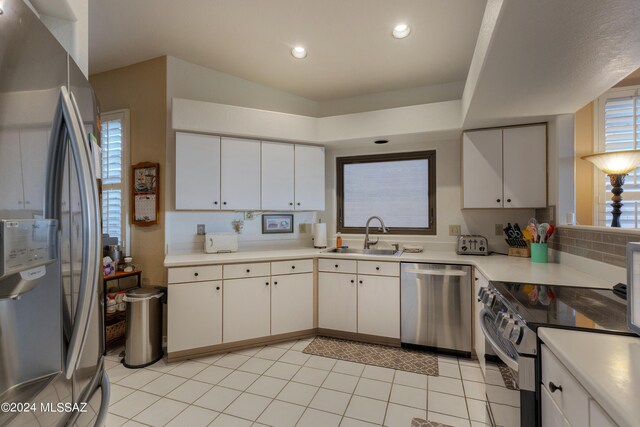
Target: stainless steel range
<point>512,314</point>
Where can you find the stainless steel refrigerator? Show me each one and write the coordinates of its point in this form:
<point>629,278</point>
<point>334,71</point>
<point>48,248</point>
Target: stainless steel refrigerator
<point>51,302</point>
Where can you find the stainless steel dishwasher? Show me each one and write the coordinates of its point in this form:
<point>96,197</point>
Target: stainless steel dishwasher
<point>435,304</point>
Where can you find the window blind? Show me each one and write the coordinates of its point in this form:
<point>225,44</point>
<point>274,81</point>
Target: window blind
<point>397,191</point>
<point>113,141</point>
<point>619,123</point>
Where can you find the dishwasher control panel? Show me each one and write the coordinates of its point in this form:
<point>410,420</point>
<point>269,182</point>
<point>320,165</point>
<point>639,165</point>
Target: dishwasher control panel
<point>472,244</point>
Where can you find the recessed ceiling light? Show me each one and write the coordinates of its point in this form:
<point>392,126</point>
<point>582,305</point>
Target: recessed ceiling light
<point>401,31</point>
<point>299,52</point>
<point>381,141</point>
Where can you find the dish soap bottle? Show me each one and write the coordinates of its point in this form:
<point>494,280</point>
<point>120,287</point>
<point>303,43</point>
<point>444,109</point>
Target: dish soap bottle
<point>338,241</point>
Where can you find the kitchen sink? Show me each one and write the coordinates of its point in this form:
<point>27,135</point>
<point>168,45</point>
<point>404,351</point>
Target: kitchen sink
<point>364,251</point>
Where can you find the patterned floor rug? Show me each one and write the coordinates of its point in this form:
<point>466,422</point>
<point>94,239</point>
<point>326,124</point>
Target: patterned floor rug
<point>378,355</point>
<point>417,422</point>
<point>508,378</point>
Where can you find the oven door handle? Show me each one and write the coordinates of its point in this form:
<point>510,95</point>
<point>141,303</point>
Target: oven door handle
<point>508,360</point>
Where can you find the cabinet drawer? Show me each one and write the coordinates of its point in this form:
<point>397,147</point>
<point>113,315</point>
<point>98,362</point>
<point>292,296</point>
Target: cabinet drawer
<point>194,274</point>
<point>572,400</point>
<point>379,268</point>
<point>238,271</point>
<point>337,265</point>
<point>293,266</point>
<point>552,416</point>
<point>597,416</point>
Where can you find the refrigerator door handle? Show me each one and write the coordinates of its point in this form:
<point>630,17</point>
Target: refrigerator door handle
<point>90,238</point>
<point>106,397</point>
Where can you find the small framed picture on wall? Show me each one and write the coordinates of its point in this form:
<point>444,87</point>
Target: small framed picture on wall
<point>277,223</point>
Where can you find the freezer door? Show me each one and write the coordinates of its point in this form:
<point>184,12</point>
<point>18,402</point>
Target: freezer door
<point>436,306</point>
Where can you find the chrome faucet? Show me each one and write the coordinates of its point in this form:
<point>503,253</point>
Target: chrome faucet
<point>367,243</point>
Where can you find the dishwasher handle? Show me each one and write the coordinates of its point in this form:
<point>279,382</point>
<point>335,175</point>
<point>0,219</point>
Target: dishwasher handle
<point>437,272</point>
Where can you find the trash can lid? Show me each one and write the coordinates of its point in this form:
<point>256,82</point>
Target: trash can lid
<point>144,292</point>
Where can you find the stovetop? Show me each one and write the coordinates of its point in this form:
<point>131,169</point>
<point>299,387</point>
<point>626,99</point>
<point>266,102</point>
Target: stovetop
<point>566,306</point>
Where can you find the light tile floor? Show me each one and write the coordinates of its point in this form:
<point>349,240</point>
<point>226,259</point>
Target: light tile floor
<point>282,387</point>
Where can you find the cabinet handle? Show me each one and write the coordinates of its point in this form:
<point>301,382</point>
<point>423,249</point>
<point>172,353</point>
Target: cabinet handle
<point>195,274</point>
<point>248,271</point>
<point>224,203</point>
<point>476,279</point>
<point>378,268</point>
<point>293,267</point>
<point>275,283</point>
<point>215,203</point>
<point>298,203</point>
<point>290,203</point>
<point>267,283</point>
<point>360,281</point>
<point>336,265</point>
<point>498,200</point>
<point>554,387</point>
<point>217,288</point>
<point>353,281</point>
<point>508,200</point>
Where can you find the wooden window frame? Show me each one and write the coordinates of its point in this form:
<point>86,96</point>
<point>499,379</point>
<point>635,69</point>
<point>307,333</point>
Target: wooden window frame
<point>429,155</point>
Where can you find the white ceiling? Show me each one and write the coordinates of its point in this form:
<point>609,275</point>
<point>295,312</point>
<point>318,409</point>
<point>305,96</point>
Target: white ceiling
<point>351,50</point>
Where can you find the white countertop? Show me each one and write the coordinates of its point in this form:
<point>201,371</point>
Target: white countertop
<point>607,366</point>
<point>494,267</point>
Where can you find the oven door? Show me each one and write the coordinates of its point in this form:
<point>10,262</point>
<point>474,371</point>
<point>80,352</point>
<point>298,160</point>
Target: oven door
<point>503,401</point>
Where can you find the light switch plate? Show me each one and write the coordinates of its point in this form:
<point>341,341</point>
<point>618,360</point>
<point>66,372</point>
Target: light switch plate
<point>201,230</point>
<point>454,230</point>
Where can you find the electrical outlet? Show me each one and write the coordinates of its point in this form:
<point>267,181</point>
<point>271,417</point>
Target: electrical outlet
<point>201,229</point>
<point>248,215</point>
<point>499,228</point>
<point>302,228</point>
<point>454,230</point>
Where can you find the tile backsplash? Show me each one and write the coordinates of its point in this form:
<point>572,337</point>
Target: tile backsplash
<point>600,245</point>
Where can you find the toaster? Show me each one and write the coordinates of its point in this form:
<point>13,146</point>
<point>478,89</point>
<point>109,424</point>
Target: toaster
<point>215,243</point>
<point>472,244</point>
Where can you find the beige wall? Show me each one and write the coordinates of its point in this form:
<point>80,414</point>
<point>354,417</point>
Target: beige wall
<point>584,169</point>
<point>141,88</point>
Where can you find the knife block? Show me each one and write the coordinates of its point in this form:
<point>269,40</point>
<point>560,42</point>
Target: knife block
<point>521,252</point>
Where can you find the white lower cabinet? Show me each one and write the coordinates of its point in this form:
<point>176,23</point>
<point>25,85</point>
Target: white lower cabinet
<point>379,306</point>
<point>337,301</point>
<point>194,315</point>
<point>247,309</point>
<point>551,415</point>
<point>291,303</point>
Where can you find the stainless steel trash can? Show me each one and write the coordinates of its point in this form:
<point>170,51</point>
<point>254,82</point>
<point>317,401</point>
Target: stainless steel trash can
<point>143,345</point>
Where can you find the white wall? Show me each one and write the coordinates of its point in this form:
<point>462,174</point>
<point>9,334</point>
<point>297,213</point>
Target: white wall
<point>448,197</point>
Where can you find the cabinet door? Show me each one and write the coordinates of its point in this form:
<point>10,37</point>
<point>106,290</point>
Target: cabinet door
<point>197,172</point>
<point>11,183</point>
<point>309,178</point>
<point>246,309</point>
<point>525,167</point>
<point>277,176</point>
<point>379,306</point>
<point>291,303</point>
<point>240,174</point>
<point>482,169</point>
<point>597,416</point>
<point>337,301</point>
<point>34,144</point>
<point>194,315</point>
<point>552,416</point>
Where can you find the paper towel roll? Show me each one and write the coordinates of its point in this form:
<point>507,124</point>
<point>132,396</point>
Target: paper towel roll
<point>320,235</point>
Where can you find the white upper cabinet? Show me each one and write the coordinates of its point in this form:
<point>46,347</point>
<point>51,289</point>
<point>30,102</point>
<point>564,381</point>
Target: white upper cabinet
<point>482,168</point>
<point>34,144</point>
<point>525,166</point>
<point>11,182</point>
<point>219,173</point>
<point>240,174</point>
<point>277,176</point>
<point>197,171</point>
<point>505,168</point>
<point>309,178</point>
